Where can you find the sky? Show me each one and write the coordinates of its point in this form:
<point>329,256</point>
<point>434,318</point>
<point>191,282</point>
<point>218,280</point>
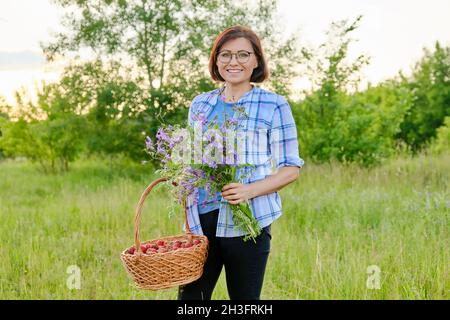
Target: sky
<point>392,33</point>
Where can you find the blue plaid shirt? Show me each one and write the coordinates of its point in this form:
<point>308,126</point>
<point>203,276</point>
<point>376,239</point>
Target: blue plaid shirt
<point>275,145</point>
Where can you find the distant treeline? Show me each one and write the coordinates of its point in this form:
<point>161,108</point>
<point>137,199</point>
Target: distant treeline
<point>150,63</point>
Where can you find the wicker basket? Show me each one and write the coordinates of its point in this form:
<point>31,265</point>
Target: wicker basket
<point>163,270</point>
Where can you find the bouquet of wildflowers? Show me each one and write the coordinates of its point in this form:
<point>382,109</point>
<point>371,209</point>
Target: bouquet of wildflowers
<point>175,147</point>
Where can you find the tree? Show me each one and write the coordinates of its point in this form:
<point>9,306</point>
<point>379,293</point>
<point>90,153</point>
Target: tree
<point>334,121</point>
<point>48,133</point>
<point>168,42</point>
<point>441,143</point>
<point>110,102</point>
<point>429,86</point>
<point>4,118</point>
<point>157,52</point>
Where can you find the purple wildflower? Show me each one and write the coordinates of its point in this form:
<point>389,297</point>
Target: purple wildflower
<point>160,148</point>
<point>202,118</point>
<point>178,139</point>
<point>175,141</point>
<point>223,128</point>
<point>195,196</point>
<point>197,173</point>
<point>188,187</point>
<point>162,135</point>
<point>149,144</point>
<point>209,136</point>
<point>166,158</point>
<point>232,121</point>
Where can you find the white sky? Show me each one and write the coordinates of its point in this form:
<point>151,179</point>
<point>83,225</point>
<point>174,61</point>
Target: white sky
<point>392,33</point>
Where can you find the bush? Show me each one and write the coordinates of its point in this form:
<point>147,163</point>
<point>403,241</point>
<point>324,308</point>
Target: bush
<point>441,143</point>
<point>52,143</point>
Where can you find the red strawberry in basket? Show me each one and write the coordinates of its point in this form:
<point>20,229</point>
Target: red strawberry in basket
<point>187,245</point>
<point>161,243</point>
<point>177,244</point>
<point>196,242</point>
<point>143,248</point>
<point>131,250</point>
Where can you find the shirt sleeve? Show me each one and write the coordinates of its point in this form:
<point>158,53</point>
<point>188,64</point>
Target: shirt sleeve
<point>283,137</point>
<point>190,114</point>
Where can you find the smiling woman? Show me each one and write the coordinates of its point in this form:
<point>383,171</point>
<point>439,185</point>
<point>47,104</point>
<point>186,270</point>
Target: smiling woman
<point>248,66</point>
<point>237,59</point>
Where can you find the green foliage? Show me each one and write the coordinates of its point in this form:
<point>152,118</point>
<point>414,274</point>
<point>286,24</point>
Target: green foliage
<point>328,67</point>
<point>153,58</point>
<point>366,127</point>
<point>429,87</point>
<point>48,132</point>
<point>334,124</point>
<point>4,118</point>
<point>169,41</point>
<point>150,61</point>
<point>52,143</point>
<point>357,132</point>
<point>441,143</point>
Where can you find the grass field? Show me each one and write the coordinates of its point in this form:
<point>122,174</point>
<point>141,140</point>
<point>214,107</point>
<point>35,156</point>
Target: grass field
<point>337,222</point>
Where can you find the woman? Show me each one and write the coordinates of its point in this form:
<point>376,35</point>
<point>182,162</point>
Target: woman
<point>237,60</point>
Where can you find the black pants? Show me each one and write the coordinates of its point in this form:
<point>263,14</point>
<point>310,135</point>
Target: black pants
<point>245,264</point>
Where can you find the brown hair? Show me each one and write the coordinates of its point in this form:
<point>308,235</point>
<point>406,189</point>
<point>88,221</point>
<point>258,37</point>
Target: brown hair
<point>260,73</point>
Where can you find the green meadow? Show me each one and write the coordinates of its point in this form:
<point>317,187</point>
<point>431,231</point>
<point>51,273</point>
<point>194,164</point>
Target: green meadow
<point>337,222</point>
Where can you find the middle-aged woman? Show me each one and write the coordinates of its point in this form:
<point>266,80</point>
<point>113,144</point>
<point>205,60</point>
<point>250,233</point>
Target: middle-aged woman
<point>237,60</point>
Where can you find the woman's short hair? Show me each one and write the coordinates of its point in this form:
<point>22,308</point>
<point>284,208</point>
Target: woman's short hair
<point>260,73</point>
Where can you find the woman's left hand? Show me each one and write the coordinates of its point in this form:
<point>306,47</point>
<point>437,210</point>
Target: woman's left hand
<point>236,193</point>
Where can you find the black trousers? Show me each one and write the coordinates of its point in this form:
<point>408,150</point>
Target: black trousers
<point>245,264</point>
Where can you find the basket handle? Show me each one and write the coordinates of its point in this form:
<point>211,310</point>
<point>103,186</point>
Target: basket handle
<point>137,220</point>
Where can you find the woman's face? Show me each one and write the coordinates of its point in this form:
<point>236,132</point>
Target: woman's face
<point>237,71</point>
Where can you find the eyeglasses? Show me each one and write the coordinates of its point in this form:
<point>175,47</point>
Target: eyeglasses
<point>242,56</point>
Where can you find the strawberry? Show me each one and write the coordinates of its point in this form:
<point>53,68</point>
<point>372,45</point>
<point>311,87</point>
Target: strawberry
<point>177,244</point>
<point>161,243</point>
<point>131,250</point>
<point>187,245</point>
<point>143,248</point>
<point>196,242</point>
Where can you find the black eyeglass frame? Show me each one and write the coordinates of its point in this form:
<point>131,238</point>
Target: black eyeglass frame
<point>234,54</point>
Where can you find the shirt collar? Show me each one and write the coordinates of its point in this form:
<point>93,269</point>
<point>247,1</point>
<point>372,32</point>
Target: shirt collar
<point>214,95</point>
